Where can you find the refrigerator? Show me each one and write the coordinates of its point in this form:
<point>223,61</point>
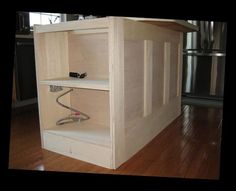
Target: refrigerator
<point>204,55</point>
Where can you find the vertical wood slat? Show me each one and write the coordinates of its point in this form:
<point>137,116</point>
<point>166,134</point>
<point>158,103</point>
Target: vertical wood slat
<point>116,78</point>
<point>148,64</point>
<point>167,49</point>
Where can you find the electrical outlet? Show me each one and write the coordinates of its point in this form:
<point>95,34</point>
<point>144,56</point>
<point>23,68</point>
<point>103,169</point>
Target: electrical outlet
<point>55,88</point>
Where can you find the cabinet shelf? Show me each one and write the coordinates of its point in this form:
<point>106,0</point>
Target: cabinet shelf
<point>78,83</point>
<point>84,131</point>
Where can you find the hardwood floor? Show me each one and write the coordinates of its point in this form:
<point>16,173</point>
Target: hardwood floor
<point>188,148</point>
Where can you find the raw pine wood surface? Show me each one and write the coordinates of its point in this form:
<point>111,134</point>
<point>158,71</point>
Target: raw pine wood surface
<point>178,25</point>
<point>50,48</point>
<point>189,148</point>
<point>99,47</point>
<point>89,53</point>
<point>143,45</point>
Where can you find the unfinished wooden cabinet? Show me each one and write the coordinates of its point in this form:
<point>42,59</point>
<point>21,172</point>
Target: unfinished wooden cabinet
<point>131,93</point>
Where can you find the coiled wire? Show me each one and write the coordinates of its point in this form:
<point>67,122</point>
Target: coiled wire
<point>76,117</point>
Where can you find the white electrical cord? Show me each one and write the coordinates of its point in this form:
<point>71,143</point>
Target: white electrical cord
<point>76,117</point>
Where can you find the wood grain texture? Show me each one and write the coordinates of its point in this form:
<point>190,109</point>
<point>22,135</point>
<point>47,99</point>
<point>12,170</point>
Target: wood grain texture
<point>148,65</point>
<point>173,24</point>
<point>90,31</point>
<point>78,83</point>
<point>101,23</point>
<point>86,131</point>
<point>94,103</point>
<point>55,57</point>
<point>148,32</point>
<point>133,79</point>
<point>157,55</point>
<point>116,77</point>
<point>73,25</point>
<point>89,53</point>
<point>50,48</point>
<point>79,149</point>
<point>193,152</point>
<point>158,75</point>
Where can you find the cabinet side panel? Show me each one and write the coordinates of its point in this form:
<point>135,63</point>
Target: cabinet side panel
<point>51,54</point>
<point>140,129</point>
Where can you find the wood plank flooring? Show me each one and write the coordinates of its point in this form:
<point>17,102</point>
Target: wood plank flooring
<point>188,148</point>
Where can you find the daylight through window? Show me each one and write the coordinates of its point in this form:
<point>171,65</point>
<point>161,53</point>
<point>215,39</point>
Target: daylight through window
<point>44,18</point>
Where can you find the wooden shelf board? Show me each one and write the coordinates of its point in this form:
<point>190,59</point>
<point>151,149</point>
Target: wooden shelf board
<point>78,83</point>
<point>84,131</point>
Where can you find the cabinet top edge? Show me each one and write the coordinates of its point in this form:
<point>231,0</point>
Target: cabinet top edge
<point>173,24</point>
<point>177,25</point>
<point>73,25</point>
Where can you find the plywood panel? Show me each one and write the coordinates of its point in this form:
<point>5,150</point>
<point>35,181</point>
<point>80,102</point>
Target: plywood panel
<point>51,53</point>
<point>56,53</point>
<point>158,75</point>
<point>148,65</point>
<point>94,103</point>
<point>89,53</point>
<point>143,31</point>
<point>88,152</point>
<point>139,129</point>
<point>84,131</point>
<point>51,111</point>
<point>133,80</point>
<point>147,128</point>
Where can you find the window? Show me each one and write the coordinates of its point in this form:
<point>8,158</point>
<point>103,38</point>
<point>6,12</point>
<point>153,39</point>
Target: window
<point>44,18</point>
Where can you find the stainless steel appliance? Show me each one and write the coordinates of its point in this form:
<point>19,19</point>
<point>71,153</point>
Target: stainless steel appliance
<point>25,73</point>
<point>204,60</point>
